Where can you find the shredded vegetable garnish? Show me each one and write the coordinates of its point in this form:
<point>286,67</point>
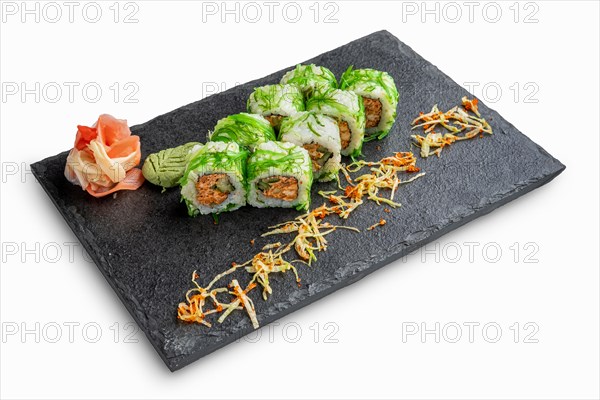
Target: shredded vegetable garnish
<point>309,234</point>
<point>271,246</point>
<point>460,124</point>
<point>265,263</point>
<point>241,299</point>
<point>381,222</point>
<point>309,237</point>
<point>435,141</point>
<point>384,175</point>
<point>471,105</point>
<point>193,310</point>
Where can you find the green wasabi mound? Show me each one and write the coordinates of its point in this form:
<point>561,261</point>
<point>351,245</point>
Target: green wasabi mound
<point>308,77</point>
<point>247,130</point>
<point>166,167</point>
<point>380,97</point>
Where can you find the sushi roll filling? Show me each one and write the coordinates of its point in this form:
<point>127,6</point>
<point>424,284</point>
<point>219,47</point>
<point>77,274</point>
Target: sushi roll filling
<point>345,134</point>
<point>373,110</point>
<point>279,187</point>
<point>274,119</point>
<point>318,154</point>
<point>213,189</point>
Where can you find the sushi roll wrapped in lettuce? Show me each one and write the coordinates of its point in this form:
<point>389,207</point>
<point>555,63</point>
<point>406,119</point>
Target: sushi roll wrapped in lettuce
<point>274,102</point>
<point>380,97</point>
<point>166,167</point>
<point>279,174</point>
<point>247,130</point>
<point>308,77</point>
<point>319,135</point>
<point>348,109</point>
<point>214,179</point>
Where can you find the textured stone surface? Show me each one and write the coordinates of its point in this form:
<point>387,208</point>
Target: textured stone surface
<point>146,246</point>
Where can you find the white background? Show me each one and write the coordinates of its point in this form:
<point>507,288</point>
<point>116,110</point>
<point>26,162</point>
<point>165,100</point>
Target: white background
<point>173,57</point>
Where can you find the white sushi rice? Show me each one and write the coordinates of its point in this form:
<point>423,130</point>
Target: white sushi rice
<point>235,199</point>
<point>284,100</point>
<point>308,128</point>
<point>300,169</point>
<point>349,108</point>
<point>388,110</point>
<point>308,77</point>
<point>374,85</point>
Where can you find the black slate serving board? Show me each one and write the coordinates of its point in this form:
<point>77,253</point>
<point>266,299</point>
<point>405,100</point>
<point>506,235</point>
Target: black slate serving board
<point>146,246</point>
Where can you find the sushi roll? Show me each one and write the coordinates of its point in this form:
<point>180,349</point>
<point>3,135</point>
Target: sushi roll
<point>308,77</point>
<point>275,102</point>
<point>214,179</point>
<point>348,109</point>
<point>319,135</point>
<point>279,175</point>
<point>380,97</point>
<point>247,130</point>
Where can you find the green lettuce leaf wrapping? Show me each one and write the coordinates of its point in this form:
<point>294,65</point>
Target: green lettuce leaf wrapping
<point>308,77</point>
<point>247,130</point>
<point>377,85</point>
<point>166,167</point>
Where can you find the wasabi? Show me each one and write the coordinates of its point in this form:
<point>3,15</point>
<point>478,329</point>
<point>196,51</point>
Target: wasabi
<point>166,167</point>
